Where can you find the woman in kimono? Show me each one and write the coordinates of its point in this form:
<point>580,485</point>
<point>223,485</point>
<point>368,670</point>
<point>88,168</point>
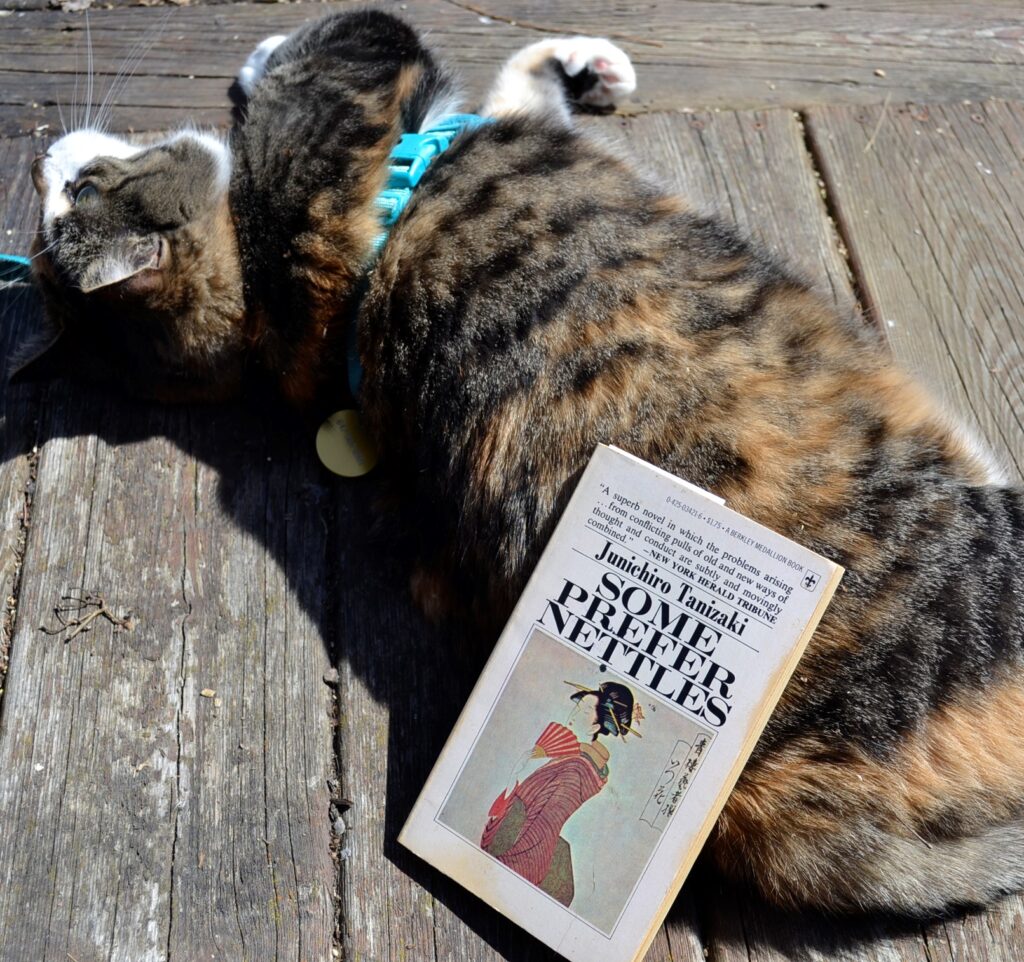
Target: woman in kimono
<point>524,825</point>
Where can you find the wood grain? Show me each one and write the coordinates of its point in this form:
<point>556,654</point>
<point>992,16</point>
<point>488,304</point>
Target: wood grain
<point>19,405</point>
<point>142,817</point>
<point>252,870</point>
<point>695,53</point>
<point>89,751</point>
<point>933,214</point>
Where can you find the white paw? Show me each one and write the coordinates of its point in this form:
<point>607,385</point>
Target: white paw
<point>254,68</point>
<point>616,77</point>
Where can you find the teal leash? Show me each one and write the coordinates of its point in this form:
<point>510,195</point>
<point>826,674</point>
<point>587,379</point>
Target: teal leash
<point>15,269</point>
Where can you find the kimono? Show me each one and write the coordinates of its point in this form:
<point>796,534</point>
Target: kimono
<point>523,829</point>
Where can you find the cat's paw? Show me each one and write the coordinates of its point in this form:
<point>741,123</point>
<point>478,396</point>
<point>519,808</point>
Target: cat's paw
<point>253,69</point>
<point>600,73</point>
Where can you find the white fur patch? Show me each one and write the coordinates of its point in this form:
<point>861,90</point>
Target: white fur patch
<point>980,451</point>
<point>441,108</point>
<point>253,69</point>
<point>68,156</point>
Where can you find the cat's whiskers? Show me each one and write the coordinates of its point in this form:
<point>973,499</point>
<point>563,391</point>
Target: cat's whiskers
<point>89,71</point>
<point>46,249</point>
<point>132,61</point>
<point>74,97</point>
<point>60,113</point>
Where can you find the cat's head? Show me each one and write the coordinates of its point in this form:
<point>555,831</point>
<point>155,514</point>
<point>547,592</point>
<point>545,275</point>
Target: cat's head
<point>137,262</point>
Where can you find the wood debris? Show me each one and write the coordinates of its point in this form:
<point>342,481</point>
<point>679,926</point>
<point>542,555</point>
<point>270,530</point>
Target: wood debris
<point>77,611</point>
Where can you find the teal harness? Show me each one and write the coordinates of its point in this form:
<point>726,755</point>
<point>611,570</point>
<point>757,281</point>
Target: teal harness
<point>410,158</point>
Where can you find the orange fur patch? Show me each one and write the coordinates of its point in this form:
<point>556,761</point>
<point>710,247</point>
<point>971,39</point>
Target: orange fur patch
<point>959,773</point>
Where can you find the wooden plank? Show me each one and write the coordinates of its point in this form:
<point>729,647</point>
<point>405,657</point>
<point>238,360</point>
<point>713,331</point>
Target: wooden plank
<point>933,212</point>
<point>931,207</point>
<point>742,935</point>
<point>401,687</point>
<point>18,407</point>
<point>88,745</point>
<point>748,933</point>
<point>993,936</point>
<point>797,52</point>
<point>141,817</point>
<point>692,54</point>
<point>252,870</point>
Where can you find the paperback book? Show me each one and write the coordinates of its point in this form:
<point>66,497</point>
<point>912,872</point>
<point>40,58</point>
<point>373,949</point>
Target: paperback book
<point>617,710</point>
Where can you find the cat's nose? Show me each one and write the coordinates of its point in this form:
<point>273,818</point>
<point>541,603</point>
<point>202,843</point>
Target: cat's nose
<point>39,175</point>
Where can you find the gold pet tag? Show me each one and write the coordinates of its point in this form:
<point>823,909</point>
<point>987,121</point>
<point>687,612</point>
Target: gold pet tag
<point>343,445</point>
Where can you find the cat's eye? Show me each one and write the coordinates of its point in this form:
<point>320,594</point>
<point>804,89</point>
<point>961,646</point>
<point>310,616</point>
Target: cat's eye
<point>85,194</point>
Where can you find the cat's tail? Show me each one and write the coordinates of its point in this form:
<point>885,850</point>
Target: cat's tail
<point>920,834</point>
<point>890,873</point>
<point>928,878</point>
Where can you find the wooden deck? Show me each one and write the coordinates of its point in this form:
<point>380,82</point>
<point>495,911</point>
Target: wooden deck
<point>226,780</point>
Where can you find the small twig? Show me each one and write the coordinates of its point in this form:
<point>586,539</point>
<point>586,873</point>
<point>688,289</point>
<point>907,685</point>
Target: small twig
<point>79,603</point>
<point>542,28</point>
<point>878,126</point>
<point>83,625</point>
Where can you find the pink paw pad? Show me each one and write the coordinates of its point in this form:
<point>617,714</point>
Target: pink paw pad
<point>616,77</point>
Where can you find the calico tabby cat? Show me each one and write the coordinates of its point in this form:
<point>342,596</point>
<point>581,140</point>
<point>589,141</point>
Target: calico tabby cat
<point>539,296</point>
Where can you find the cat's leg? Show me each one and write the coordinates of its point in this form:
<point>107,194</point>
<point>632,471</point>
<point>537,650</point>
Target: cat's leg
<point>254,68</point>
<point>546,77</point>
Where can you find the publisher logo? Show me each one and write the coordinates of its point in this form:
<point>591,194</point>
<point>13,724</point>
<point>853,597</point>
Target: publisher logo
<point>810,580</point>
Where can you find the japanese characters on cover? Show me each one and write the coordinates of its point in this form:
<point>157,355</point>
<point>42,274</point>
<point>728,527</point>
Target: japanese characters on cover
<point>618,708</point>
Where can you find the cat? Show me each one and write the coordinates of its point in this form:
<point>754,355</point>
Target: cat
<point>540,295</point>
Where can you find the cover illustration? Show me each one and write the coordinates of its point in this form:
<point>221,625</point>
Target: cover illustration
<point>573,779</point>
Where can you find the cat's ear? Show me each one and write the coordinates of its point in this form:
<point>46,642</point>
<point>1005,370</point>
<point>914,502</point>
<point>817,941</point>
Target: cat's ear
<point>135,260</point>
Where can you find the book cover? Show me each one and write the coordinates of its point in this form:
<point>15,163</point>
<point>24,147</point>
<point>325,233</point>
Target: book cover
<point>615,714</point>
